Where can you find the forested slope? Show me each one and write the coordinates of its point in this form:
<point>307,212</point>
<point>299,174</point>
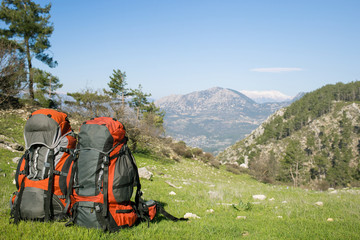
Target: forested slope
<point>313,141</point>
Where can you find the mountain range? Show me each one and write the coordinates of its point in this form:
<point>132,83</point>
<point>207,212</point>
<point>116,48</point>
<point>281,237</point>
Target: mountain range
<point>215,118</point>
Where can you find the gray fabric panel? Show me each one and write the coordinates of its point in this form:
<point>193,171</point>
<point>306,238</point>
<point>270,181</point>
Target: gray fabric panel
<point>63,143</point>
<point>86,217</point>
<point>57,205</point>
<point>123,179</point>
<point>95,136</point>
<point>86,175</point>
<point>41,129</point>
<point>32,203</point>
<point>89,162</point>
<point>37,161</point>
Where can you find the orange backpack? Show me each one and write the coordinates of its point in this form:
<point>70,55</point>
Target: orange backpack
<point>43,173</point>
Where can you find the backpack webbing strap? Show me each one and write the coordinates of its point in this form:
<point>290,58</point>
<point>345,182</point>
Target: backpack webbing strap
<point>15,212</point>
<point>106,162</point>
<point>104,223</point>
<point>48,195</point>
<point>73,215</point>
<point>70,188</point>
<point>160,209</point>
<point>105,184</point>
<point>27,159</point>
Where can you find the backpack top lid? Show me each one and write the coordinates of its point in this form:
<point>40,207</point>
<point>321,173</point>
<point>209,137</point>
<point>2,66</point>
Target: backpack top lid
<point>116,128</point>
<point>108,131</point>
<point>46,126</point>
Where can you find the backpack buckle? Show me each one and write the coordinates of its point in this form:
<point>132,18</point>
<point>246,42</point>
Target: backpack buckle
<point>97,208</point>
<point>106,160</point>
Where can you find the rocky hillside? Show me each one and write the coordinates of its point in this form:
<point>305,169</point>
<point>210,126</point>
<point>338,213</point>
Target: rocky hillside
<point>12,122</point>
<point>213,119</point>
<point>316,140</point>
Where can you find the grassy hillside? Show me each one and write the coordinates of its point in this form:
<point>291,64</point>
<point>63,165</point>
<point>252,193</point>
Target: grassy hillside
<point>286,213</point>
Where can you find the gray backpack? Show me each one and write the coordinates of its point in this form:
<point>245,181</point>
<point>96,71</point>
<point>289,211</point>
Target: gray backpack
<point>104,177</point>
<point>43,173</point>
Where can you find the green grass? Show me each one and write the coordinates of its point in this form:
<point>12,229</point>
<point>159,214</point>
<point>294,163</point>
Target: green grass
<point>205,188</point>
<point>12,126</point>
<point>286,213</point>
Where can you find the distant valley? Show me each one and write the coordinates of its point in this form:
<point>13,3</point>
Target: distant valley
<point>215,118</point>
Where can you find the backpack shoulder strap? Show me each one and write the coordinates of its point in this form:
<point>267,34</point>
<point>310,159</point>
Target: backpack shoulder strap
<point>69,191</point>
<point>138,185</point>
<point>160,209</point>
<point>15,211</point>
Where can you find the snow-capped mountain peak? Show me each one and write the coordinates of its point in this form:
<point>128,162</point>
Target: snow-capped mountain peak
<point>267,96</point>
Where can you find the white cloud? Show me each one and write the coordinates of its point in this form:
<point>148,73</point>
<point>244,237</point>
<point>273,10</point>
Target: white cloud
<point>276,70</point>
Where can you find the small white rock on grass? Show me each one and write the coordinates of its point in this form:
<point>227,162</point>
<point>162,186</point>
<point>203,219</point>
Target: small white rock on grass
<point>173,185</point>
<point>320,204</point>
<point>191,215</point>
<point>241,217</point>
<point>144,173</point>
<point>172,193</point>
<point>259,197</point>
<point>210,210</point>
<point>330,220</point>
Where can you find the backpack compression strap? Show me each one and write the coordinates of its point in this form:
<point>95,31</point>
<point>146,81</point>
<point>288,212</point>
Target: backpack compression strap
<point>16,212</point>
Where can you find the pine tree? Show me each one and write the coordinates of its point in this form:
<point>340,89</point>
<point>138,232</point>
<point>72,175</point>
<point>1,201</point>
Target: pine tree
<point>28,27</point>
<point>45,87</point>
<point>139,100</point>
<point>91,103</point>
<point>292,163</point>
<point>12,71</point>
<point>117,85</point>
<point>118,88</point>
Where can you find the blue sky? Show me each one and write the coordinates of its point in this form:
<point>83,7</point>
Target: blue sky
<point>176,47</point>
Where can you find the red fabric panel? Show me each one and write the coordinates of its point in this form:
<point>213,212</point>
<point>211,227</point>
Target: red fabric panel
<point>122,219</point>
